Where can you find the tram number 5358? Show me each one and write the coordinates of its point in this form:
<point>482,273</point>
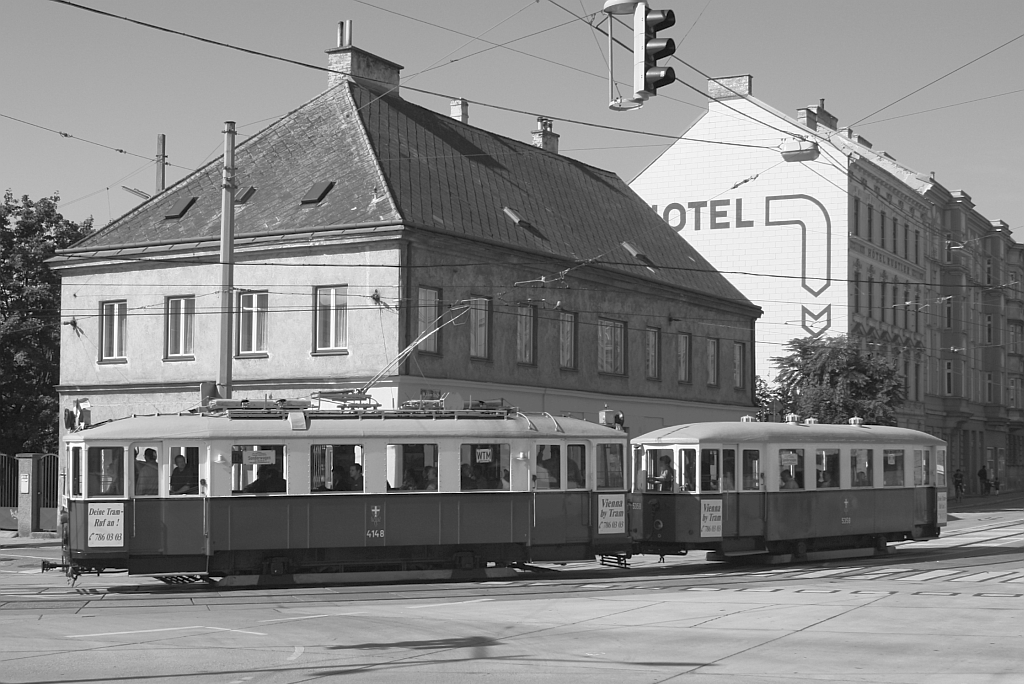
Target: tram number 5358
<point>375,534</point>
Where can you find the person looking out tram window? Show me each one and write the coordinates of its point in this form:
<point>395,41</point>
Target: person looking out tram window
<point>788,481</point>
<point>549,467</point>
<point>267,481</point>
<point>147,474</point>
<point>183,478</point>
<point>430,479</point>
<point>666,477</point>
<point>355,476</point>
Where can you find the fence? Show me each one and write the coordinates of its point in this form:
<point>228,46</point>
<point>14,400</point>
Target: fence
<point>8,492</point>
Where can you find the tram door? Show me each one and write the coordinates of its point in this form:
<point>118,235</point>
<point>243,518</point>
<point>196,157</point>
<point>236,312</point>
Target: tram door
<point>168,518</point>
<point>727,484</point>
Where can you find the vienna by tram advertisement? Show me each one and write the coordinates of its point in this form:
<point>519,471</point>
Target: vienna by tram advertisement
<point>247,489</point>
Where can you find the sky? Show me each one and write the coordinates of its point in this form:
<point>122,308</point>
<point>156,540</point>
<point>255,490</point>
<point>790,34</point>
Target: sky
<point>114,85</point>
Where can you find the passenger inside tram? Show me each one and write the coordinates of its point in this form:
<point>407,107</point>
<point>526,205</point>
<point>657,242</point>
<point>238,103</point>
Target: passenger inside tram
<point>267,480</point>
<point>183,479</point>
<point>355,474</point>
<point>666,476</point>
<point>788,481</point>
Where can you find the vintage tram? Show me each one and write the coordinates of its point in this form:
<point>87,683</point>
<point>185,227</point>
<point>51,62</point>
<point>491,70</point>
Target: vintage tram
<point>282,488</point>
<point>784,489</point>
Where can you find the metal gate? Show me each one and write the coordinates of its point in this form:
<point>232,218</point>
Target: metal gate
<point>8,492</point>
<point>47,491</point>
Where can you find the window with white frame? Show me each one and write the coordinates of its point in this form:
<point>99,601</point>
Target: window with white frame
<point>113,325</point>
<point>480,328</point>
<point>653,355</point>
<point>684,355</point>
<point>567,339</point>
<point>331,318</point>
<point>252,322</point>
<point>181,316</point>
<point>611,343</point>
<point>429,308</point>
<point>526,334</point>
<point>712,362</point>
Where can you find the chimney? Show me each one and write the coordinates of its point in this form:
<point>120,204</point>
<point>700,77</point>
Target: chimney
<point>806,117</point>
<point>544,137</point>
<point>822,117</point>
<point>730,87</point>
<point>460,110</point>
<point>349,63</point>
<point>859,139</point>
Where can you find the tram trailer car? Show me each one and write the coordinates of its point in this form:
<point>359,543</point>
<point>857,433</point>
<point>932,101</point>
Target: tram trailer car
<point>274,491</point>
<point>747,488</point>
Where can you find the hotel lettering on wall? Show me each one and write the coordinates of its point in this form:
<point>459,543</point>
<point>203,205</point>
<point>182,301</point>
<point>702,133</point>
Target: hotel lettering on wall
<point>801,213</point>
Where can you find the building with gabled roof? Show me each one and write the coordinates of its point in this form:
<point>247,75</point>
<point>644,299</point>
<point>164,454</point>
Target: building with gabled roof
<point>365,223</point>
<point>832,236</point>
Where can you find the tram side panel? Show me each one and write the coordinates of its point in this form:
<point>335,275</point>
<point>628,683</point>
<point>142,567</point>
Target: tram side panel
<point>246,532</point>
<point>168,535</point>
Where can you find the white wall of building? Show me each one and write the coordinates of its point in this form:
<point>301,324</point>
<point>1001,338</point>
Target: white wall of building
<point>776,229</point>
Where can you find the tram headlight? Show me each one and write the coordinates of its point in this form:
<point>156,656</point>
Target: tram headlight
<point>658,524</point>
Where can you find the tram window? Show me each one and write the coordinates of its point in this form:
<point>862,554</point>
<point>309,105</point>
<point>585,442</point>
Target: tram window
<point>330,467</point>
<point>940,468</point>
<point>926,466</point>
<point>661,474</point>
<point>576,466</point>
<point>826,467</point>
<point>610,466</point>
<point>486,466</point>
<point>862,469</point>
<point>105,472</point>
<point>892,467</point>
<point>549,467</point>
<point>791,462</point>
<point>728,470</point>
<point>709,470</point>
<point>256,469</point>
<point>411,467</point>
<point>76,471</point>
<point>185,475</point>
<point>689,458</point>
<point>751,470</point>
<point>147,472</point>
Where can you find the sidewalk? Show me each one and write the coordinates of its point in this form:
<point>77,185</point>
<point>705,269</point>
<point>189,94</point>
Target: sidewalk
<point>1005,499</point>
<point>9,539</point>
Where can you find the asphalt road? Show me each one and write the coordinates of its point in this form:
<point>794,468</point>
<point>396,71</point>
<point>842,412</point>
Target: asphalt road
<point>949,610</point>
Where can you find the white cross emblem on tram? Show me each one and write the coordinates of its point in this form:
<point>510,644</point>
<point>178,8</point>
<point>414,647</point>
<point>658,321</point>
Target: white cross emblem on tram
<point>376,515</point>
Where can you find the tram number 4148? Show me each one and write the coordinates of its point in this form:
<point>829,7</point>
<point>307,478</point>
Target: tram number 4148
<point>375,534</point>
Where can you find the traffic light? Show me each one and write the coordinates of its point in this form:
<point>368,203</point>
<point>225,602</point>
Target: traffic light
<point>648,49</point>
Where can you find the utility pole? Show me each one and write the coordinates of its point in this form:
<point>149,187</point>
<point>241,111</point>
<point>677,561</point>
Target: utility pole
<point>161,162</point>
<point>227,276</point>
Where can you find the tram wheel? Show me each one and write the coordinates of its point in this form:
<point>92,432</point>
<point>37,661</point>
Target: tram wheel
<point>800,550</point>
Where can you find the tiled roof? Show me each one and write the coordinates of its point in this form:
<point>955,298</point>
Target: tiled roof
<point>391,160</point>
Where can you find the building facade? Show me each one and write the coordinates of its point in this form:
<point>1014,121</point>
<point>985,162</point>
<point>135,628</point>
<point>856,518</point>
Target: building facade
<point>831,236</point>
<point>366,226</point>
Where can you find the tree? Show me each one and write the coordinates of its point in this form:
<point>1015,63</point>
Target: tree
<point>30,232</point>
<point>833,380</point>
<point>768,400</point>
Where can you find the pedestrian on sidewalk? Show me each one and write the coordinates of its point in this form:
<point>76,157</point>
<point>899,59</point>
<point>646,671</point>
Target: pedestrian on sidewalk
<point>985,484</point>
